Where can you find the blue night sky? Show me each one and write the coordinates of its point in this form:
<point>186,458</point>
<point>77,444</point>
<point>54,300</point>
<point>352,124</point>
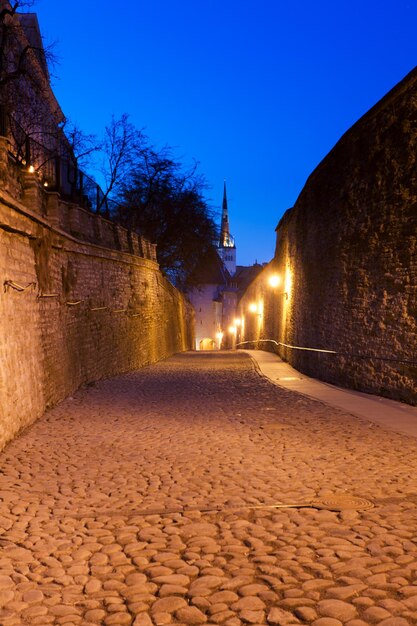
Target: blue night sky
<point>258,91</point>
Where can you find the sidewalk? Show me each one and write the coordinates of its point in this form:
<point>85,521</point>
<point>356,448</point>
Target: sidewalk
<point>402,418</point>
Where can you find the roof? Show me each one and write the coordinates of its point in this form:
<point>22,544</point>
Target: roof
<point>210,270</point>
<point>245,274</point>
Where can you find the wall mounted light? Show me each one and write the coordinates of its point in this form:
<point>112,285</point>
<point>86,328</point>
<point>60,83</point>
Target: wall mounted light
<point>31,169</point>
<point>256,308</point>
<point>274,280</point>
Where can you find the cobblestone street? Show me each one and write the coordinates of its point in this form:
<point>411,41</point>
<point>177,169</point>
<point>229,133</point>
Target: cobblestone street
<point>139,502</point>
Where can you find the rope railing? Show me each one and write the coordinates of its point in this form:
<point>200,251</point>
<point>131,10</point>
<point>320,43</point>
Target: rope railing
<point>286,345</point>
<point>13,285</point>
<point>335,352</point>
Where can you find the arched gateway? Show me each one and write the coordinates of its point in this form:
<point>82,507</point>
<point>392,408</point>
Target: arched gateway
<point>207,344</point>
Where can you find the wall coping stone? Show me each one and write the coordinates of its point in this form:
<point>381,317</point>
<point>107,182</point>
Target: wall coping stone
<point>110,253</point>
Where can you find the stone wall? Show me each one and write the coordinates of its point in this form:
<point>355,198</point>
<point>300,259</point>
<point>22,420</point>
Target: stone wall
<point>347,256</point>
<point>73,311</point>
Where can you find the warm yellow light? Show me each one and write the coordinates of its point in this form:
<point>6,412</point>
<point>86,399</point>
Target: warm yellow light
<point>274,280</point>
<point>232,330</point>
<point>219,336</point>
<point>288,282</point>
<point>45,184</point>
<point>31,169</point>
<point>237,321</point>
<point>253,307</point>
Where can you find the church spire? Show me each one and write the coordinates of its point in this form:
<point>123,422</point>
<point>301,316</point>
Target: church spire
<point>224,199</point>
<point>226,240</point>
<point>226,247</point>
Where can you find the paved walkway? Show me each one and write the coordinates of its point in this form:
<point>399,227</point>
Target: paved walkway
<point>392,415</point>
<point>153,498</point>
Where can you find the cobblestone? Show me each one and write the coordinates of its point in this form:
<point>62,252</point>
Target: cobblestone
<point>148,499</point>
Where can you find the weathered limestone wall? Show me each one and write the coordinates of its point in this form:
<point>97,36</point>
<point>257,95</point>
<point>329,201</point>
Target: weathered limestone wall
<point>86,312</point>
<point>347,254</point>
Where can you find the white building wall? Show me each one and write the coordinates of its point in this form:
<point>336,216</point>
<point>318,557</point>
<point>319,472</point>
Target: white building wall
<point>208,314</point>
<point>228,256</point>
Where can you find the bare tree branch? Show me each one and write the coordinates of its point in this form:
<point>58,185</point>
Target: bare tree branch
<point>122,141</point>
<point>82,146</point>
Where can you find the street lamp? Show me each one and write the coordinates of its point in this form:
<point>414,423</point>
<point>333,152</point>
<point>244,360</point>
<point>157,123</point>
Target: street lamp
<point>274,281</point>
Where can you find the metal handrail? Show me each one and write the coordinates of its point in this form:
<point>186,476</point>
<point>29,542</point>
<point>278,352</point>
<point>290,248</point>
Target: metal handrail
<point>58,168</point>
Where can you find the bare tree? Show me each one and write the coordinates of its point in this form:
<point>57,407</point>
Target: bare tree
<point>122,142</point>
<point>82,146</point>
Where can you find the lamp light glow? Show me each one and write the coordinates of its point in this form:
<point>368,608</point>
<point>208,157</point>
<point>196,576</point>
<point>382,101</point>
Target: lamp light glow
<point>274,280</point>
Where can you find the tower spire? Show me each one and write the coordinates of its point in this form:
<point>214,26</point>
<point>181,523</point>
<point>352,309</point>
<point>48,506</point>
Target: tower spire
<point>226,247</point>
<point>224,231</point>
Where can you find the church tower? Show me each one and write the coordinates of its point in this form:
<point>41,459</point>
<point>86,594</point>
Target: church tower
<point>226,246</point>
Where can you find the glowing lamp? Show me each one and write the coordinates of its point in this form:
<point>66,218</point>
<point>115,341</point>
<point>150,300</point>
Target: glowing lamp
<point>31,169</point>
<point>253,307</point>
<point>274,280</point>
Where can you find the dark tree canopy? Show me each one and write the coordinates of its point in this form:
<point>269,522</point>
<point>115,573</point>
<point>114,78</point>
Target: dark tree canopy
<point>167,205</point>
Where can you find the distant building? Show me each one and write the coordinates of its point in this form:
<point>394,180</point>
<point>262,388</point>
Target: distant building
<point>226,246</point>
<point>217,284</point>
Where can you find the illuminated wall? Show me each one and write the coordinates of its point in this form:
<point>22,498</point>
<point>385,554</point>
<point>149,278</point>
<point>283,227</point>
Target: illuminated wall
<point>347,256</point>
<point>72,311</point>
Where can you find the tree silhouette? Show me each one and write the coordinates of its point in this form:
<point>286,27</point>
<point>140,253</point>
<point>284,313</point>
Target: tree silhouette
<point>167,205</point>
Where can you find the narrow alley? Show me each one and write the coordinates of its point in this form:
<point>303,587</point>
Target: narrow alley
<point>148,499</point>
